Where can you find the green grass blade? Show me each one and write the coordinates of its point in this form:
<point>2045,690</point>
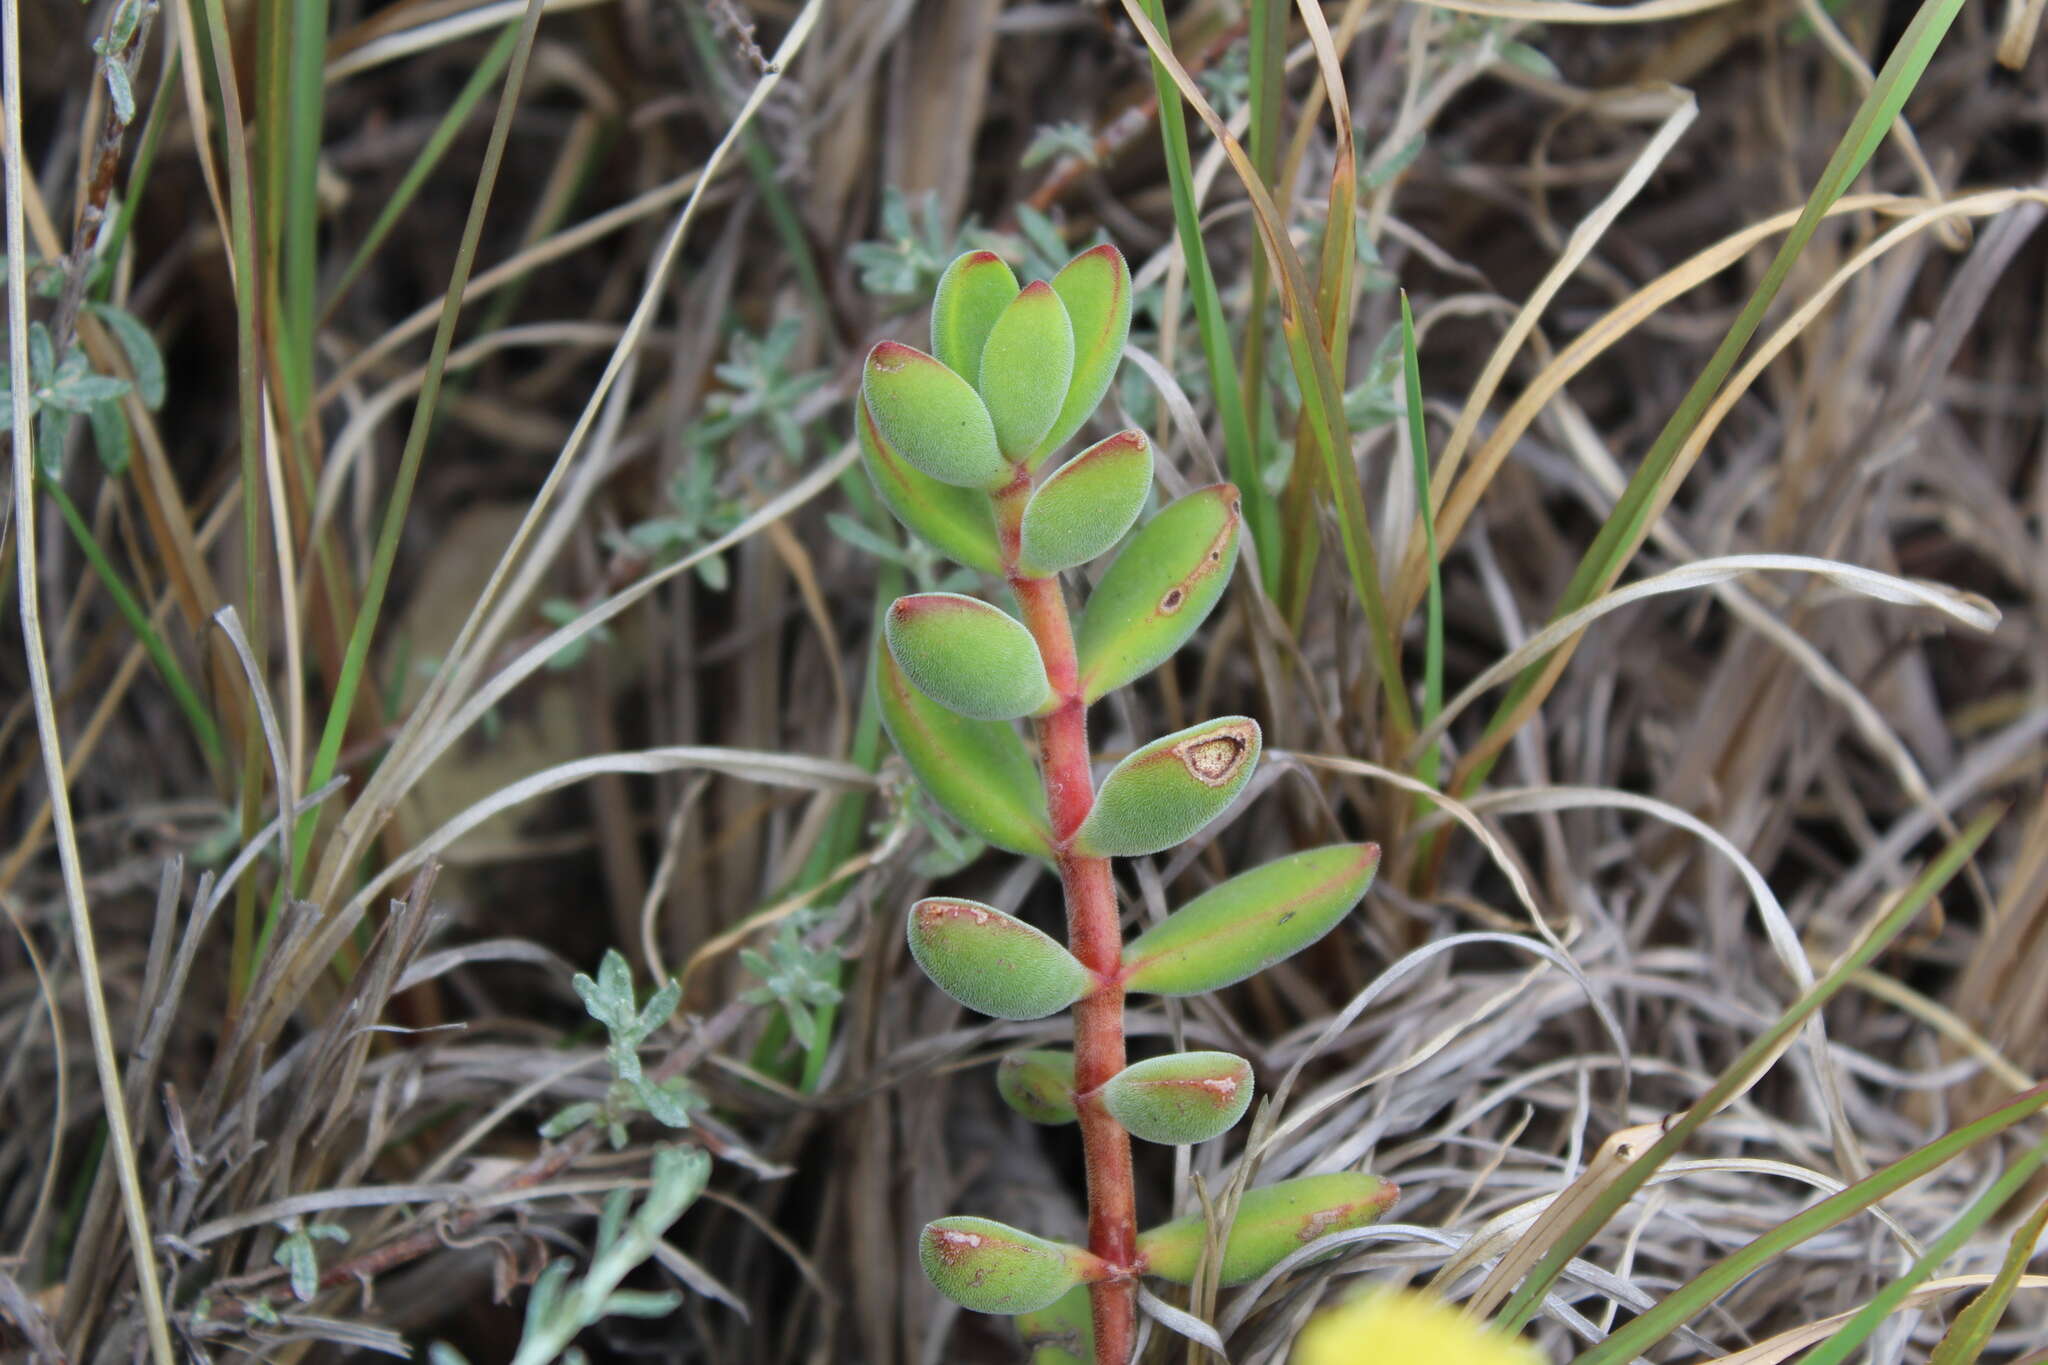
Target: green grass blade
<point>1268,56</point>
<point>1739,1075</point>
<point>1433,655</point>
<point>1322,398</point>
<point>1653,1326</point>
<point>1647,491</point>
<point>152,642</point>
<point>305,110</point>
<point>437,145</point>
<point>1971,1331</point>
<point>1240,455</point>
<point>1886,1301</point>
<point>386,552</point>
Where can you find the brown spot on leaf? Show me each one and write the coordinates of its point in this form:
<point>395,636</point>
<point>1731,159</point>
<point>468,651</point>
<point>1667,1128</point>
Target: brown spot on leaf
<point>1214,758</point>
<point>1171,602</point>
<point>954,1247</point>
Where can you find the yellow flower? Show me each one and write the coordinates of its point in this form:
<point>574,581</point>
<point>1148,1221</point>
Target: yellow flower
<point>1397,1327</point>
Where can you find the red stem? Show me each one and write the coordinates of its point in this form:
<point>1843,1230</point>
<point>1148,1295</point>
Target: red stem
<point>1093,935</point>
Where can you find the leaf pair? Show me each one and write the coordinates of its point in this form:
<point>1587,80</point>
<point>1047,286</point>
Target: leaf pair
<point>996,964</point>
<point>994,1268</point>
<point>1175,1100</point>
<point>932,694</point>
<point>1016,374</point>
<point>938,430</point>
<point>1041,357</point>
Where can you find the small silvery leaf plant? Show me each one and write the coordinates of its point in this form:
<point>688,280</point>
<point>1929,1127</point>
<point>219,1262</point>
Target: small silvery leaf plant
<point>959,444</point>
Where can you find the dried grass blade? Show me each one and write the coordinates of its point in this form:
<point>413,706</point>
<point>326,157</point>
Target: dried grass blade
<point>1322,398</point>
<point>1651,1327</point>
<point>1616,543</point>
<point>1982,1209</point>
<point>1616,1153</point>
<point>1587,235</point>
<point>386,552</point>
<point>1787,1344</point>
<point>1738,1076</point>
<point>120,1142</point>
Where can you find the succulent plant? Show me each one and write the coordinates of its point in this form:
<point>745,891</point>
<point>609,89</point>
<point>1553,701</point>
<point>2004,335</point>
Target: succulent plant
<point>959,445</point>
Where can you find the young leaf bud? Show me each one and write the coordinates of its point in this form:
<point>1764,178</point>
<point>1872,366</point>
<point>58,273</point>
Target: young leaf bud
<point>1161,587</point>
<point>1087,505</point>
<point>980,771</point>
<point>957,522</point>
<point>1271,1223</point>
<point>994,963</point>
<point>967,656</point>
<point>972,294</point>
<point>1025,368</point>
<point>1063,1332</point>
<point>994,1268</point>
<point>1163,793</point>
<point>1181,1098</point>
<point>1096,288</point>
<point>1039,1085</point>
<point>1250,922</point>
<point>932,417</point>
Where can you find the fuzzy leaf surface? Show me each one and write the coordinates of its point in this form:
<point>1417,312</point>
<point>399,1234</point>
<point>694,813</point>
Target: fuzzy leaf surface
<point>1162,586</point>
<point>1063,1332</point>
<point>966,655</point>
<point>932,417</point>
<point>1096,288</point>
<point>971,295</point>
<point>1087,504</point>
<point>1271,1222</point>
<point>993,963</point>
<point>1162,794</point>
<point>994,1268</point>
<point>979,771</point>
<point>1181,1098</point>
<point>1250,922</point>
<point>1025,368</point>
<point>1038,1084</point>
<point>957,522</point>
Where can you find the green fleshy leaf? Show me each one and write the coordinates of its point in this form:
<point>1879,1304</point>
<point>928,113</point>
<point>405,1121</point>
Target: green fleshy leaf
<point>971,295</point>
<point>932,417</point>
<point>994,1268</point>
<point>1250,922</point>
<point>1096,288</point>
<point>957,522</point>
<point>1271,1223</point>
<point>1087,505</point>
<point>1163,585</point>
<point>967,656</point>
<point>1181,1098</point>
<point>1038,1084</point>
<point>978,771</point>
<point>1163,793</point>
<point>1063,1332</point>
<point>1025,368</point>
<point>993,963</point>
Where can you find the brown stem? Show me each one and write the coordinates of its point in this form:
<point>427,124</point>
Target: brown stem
<point>1093,935</point>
